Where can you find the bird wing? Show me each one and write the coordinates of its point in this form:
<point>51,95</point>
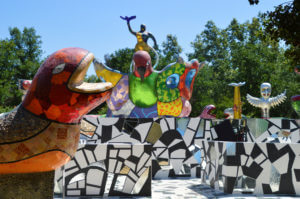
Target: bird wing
<point>274,101</point>
<point>254,101</point>
<point>105,73</point>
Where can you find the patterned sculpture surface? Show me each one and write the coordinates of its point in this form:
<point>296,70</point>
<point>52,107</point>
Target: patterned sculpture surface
<point>42,133</point>
<point>142,36</point>
<point>111,169</point>
<point>256,168</point>
<point>237,103</point>
<point>265,102</point>
<point>146,93</point>
<point>206,113</point>
<point>178,148</point>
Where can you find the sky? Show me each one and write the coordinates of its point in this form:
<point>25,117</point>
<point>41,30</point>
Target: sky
<point>96,25</point>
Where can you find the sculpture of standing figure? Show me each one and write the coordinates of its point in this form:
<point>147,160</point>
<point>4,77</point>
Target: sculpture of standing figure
<point>142,36</point>
<point>265,102</point>
<point>237,103</point>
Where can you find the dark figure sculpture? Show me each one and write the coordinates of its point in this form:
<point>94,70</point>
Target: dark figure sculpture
<point>142,36</point>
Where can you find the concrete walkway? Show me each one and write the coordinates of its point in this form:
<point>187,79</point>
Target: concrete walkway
<point>185,188</point>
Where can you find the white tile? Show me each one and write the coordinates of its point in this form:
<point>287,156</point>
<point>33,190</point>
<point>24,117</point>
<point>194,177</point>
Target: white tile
<point>207,125</point>
<point>108,121</point>
<point>94,177</point>
<point>243,160</point>
<point>188,136</point>
<point>281,164</point>
<point>171,122</point>
<point>137,150</point>
<point>100,152</point>
<point>92,190</point>
<point>229,171</point>
<point>249,162</point>
<point>142,161</point>
<point>119,166</point>
<point>113,153</point>
<point>73,192</point>
<point>90,156</point>
<point>179,153</point>
<point>124,153</point>
<point>81,159</point>
<point>163,125</point>
<point>260,158</point>
<point>194,123</point>
<point>112,165</point>
<point>128,186</point>
<point>214,134</point>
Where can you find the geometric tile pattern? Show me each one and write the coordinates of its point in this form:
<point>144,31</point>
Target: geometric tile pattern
<point>110,169</point>
<point>177,142</point>
<point>174,151</point>
<point>245,167</point>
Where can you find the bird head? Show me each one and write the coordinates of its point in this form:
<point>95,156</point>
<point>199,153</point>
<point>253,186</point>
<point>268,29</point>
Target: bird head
<point>207,112</point>
<point>142,64</point>
<point>58,91</point>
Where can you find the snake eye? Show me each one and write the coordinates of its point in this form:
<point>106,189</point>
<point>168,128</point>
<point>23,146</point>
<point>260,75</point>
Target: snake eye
<point>189,78</point>
<point>172,81</point>
<point>59,68</point>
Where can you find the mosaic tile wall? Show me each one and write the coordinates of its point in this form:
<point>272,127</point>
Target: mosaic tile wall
<point>177,142</point>
<point>110,169</point>
<point>259,168</point>
<point>178,149</point>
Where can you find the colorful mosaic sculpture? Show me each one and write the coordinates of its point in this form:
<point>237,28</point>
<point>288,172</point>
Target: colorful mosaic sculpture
<point>265,102</point>
<point>296,103</point>
<point>42,133</point>
<point>237,103</point>
<point>146,93</point>
<point>24,85</point>
<point>206,113</point>
<point>142,36</point>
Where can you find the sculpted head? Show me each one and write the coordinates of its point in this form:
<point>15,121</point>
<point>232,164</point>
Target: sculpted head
<point>265,90</point>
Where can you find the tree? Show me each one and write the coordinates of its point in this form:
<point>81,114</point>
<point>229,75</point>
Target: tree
<point>240,52</point>
<point>170,51</point>
<point>284,24</point>
<point>120,59</point>
<point>20,57</point>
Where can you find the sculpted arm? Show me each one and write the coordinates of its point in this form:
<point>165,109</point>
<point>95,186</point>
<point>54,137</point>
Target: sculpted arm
<point>278,99</point>
<point>254,101</point>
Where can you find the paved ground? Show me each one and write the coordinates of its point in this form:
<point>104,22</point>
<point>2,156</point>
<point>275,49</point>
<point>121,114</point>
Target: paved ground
<point>188,188</point>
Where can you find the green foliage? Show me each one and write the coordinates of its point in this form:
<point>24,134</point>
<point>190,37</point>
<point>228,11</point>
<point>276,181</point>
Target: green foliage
<point>120,59</point>
<point>240,52</point>
<point>4,109</point>
<point>170,51</point>
<point>91,79</point>
<point>20,57</point>
<point>283,24</point>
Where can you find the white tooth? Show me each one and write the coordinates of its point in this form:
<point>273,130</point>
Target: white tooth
<point>93,87</point>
